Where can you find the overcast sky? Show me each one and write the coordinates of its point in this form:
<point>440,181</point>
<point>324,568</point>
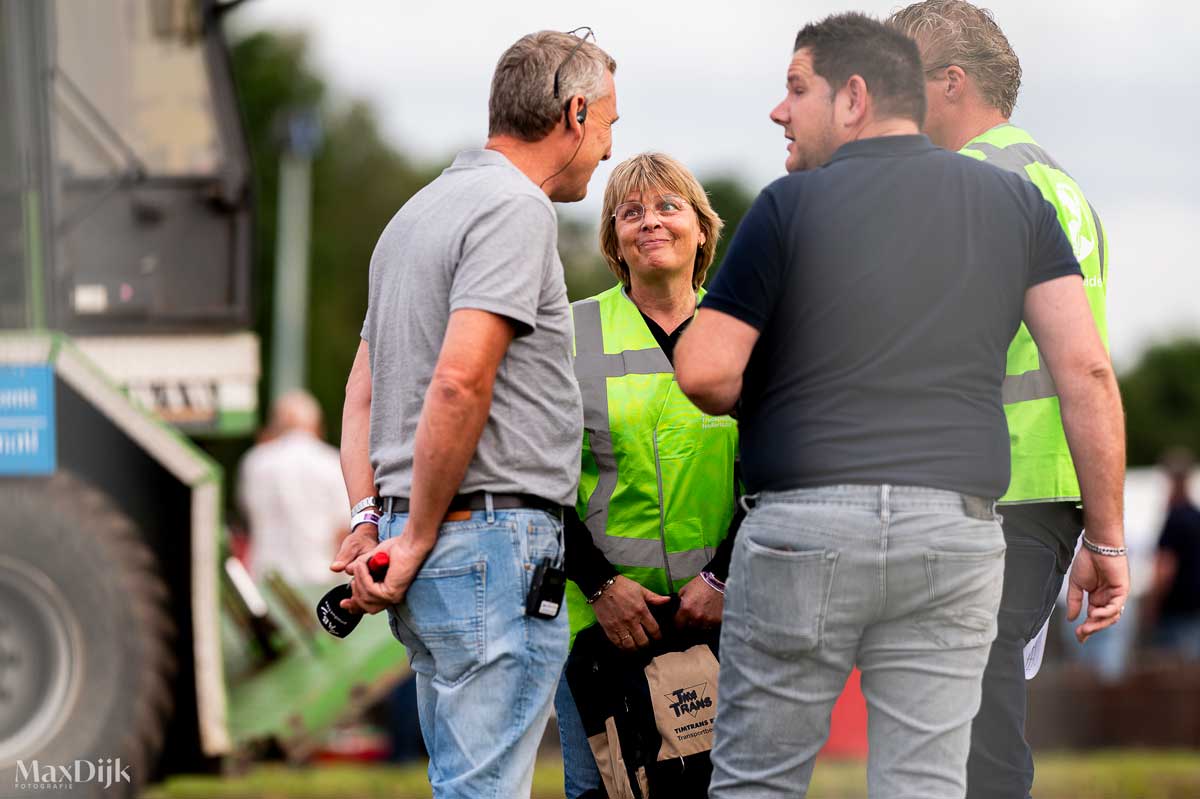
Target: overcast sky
<point>1110,89</point>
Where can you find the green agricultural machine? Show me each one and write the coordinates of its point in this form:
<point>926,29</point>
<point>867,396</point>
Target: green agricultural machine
<point>131,645</point>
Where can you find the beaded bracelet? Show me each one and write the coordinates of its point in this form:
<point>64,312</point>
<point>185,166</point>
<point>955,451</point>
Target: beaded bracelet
<point>603,587</point>
<point>364,517</point>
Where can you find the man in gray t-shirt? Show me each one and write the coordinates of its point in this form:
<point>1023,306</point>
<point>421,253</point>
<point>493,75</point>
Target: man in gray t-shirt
<point>493,248</point>
<point>462,420</point>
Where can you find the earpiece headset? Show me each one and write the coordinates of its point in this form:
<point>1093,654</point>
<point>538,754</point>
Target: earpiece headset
<point>580,117</point>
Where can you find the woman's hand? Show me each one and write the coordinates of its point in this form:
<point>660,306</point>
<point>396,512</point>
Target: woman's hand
<point>700,605</point>
<point>624,613</point>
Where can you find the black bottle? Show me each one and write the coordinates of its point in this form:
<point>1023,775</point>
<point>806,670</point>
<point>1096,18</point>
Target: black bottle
<point>336,619</point>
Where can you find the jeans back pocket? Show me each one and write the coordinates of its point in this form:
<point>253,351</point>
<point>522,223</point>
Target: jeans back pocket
<point>964,592</point>
<point>787,597</point>
<point>445,609</point>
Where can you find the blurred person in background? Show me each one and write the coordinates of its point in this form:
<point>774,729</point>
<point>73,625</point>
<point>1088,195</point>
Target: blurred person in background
<point>1176,591</point>
<point>658,486</point>
<point>461,425</point>
<point>291,494</point>
<point>864,334</point>
<point>972,77</point>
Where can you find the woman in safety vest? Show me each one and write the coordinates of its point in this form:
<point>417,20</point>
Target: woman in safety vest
<point>657,484</point>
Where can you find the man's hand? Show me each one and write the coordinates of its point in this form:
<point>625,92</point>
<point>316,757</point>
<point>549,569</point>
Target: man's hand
<point>364,539</point>
<point>624,613</point>
<point>404,561</point>
<point>700,605</point>
<point>1106,581</point>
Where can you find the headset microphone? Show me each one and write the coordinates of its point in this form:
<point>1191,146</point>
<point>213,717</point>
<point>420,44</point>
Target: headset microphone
<point>581,118</point>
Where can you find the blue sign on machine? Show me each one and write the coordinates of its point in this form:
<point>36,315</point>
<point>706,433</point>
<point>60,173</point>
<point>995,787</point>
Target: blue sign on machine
<point>27,444</point>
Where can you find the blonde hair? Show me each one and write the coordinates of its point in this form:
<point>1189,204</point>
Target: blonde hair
<point>657,172</point>
<point>959,33</point>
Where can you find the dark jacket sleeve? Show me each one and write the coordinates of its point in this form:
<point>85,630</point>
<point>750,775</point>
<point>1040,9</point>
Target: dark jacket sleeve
<point>586,564</point>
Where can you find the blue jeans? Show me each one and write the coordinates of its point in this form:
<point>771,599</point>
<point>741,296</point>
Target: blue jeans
<point>486,672</point>
<point>580,774</point>
<point>903,581</point>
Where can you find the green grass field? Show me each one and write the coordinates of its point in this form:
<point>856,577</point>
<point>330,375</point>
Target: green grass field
<point>1117,774</point>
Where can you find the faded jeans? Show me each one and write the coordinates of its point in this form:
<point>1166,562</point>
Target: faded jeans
<point>486,672</point>
<point>903,582</point>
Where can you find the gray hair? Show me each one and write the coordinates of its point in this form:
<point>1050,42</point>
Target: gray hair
<point>522,101</point>
<point>959,33</point>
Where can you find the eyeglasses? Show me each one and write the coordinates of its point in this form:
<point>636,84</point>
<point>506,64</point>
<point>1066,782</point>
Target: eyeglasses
<point>939,68</point>
<point>587,35</point>
<point>665,207</point>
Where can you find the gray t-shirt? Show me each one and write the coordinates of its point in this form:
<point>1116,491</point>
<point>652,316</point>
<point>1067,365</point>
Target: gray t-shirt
<point>480,236</point>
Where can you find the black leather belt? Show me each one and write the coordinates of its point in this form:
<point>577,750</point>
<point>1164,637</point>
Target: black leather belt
<point>477,500</point>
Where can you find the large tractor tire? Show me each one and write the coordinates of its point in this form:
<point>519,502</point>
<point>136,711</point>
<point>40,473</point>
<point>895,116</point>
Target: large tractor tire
<point>85,638</point>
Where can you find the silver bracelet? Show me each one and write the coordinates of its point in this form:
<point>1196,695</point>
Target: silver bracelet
<point>1101,549</point>
<point>363,504</point>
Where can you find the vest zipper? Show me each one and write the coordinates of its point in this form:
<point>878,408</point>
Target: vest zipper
<point>662,521</point>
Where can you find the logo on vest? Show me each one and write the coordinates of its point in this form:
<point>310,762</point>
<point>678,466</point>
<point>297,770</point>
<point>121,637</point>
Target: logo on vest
<point>1073,203</point>
<point>690,700</point>
<point>707,421</point>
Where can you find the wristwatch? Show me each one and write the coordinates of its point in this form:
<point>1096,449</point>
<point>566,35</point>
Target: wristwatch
<point>363,504</point>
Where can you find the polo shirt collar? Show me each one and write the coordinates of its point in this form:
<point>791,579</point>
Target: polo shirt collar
<point>474,159</point>
<point>884,146</point>
<point>480,157</point>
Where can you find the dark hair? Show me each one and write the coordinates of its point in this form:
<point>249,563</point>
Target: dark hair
<point>888,61</point>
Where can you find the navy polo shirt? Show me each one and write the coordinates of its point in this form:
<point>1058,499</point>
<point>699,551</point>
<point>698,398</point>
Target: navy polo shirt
<point>886,286</point>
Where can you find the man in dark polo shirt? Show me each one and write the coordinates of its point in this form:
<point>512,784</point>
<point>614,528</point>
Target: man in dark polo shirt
<point>862,317</point>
